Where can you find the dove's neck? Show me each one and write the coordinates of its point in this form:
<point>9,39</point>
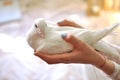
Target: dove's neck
<point>47,30</point>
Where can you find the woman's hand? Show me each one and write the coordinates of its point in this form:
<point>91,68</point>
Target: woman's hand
<point>81,53</point>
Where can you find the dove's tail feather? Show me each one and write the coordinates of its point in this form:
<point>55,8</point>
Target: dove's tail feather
<point>99,34</point>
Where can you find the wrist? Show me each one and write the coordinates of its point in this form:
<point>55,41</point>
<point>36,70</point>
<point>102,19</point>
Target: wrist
<point>109,67</point>
<point>99,60</point>
<point>104,64</point>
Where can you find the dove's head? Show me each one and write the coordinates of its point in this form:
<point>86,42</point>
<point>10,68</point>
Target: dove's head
<point>38,28</point>
<point>37,32</point>
<point>40,25</point>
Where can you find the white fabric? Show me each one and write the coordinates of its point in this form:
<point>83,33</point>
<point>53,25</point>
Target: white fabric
<point>116,73</point>
<point>18,62</point>
<point>14,67</point>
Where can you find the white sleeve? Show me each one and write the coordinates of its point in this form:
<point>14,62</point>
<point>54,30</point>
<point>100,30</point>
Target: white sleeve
<point>116,73</point>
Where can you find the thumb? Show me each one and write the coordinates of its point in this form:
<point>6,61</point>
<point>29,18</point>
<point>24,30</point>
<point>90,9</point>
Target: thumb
<point>73,40</point>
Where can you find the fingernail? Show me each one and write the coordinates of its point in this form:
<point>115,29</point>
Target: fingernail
<point>64,35</point>
<point>59,21</point>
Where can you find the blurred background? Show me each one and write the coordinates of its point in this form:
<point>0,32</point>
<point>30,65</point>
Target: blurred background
<point>17,61</point>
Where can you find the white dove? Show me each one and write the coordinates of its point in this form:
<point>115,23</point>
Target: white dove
<point>45,36</point>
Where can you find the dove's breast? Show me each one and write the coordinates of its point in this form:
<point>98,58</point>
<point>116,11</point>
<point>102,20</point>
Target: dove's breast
<point>54,43</point>
<point>34,40</point>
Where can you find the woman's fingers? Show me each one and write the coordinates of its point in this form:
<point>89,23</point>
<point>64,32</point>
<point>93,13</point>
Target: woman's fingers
<point>78,54</point>
<point>63,23</point>
<point>73,40</point>
<point>53,59</point>
<point>79,47</point>
<point>68,23</point>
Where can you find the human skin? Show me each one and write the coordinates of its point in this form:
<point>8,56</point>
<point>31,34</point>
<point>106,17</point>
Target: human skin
<point>68,23</point>
<point>81,53</point>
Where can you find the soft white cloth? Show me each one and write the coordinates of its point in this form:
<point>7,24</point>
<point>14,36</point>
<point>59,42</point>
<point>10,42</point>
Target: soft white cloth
<point>18,62</point>
<point>116,73</point>
<point>15,67</point>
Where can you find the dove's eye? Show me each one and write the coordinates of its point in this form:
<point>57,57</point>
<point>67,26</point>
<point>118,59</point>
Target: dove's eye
<point>36,26</point>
